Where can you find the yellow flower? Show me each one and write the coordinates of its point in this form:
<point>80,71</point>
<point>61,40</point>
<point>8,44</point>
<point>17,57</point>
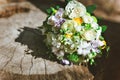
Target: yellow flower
<point>104,42</point>
<point>78,20</point>
<point>68,35</point>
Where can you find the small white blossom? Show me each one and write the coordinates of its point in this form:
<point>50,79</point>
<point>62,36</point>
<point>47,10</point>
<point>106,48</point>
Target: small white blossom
<point>95,50</point>
<point>78,28</point>
<point>99,31</point>
<point>84,48</point>
<point>94,25</point>
<point>51,20</point>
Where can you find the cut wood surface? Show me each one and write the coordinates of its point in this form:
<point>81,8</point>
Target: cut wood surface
<point>10,9</point>
<point>22,51</point>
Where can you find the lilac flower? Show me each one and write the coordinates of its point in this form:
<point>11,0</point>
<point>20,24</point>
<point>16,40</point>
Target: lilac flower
<point>66,62</point>
<point>96,43</point>
<point>57,20</point>
<point>60,13</point>
<point>96,50</point>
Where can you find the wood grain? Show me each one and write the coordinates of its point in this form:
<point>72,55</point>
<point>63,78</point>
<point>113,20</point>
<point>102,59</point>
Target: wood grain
<point>19,35</point>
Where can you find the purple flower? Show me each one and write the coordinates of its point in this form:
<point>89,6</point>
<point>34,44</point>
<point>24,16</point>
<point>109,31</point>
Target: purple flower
<point>96,43</point>
<point>66,62</point>
<point>60,13</point>
<point>57,20</point>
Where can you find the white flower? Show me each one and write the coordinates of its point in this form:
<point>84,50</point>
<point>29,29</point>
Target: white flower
<point>94,25</point>
<point>97,43</point>
<point>99,31</point>
<point>60,13</point>
<point>85,44</point>
<point>75,9</point>
<point>76,39</point>
<point>51,20</point>
<point>69,24</point>
<point>82,51</point>
<point>66,62</point>
<point>78,28</point>
<point>56,20</point>
<point>56,43</point>
<point>89,35</point>
<point>72,46</point>
<point>87,19</point>
<point>84,48</point>
<point>68,41</point>
<point>96,50</point>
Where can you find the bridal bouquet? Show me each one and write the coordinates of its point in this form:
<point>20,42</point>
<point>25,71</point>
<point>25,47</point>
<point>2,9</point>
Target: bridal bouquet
<point>73,34</point>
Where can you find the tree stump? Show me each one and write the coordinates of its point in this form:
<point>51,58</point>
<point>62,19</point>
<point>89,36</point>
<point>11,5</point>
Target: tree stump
<point>18,37</point>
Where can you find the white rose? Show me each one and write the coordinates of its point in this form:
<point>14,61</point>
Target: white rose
<point>69,24</point>
<point>75,9</point>
<point>87,19</point>
<point>89,35</point>
<point>78,28</point>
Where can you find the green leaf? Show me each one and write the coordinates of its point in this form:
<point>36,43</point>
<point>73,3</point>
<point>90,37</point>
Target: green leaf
<point>101,38</point>
<point>51,10</point>
<point>91,8</point>
<point>92,61</point>
<point>95,19</point>
<point>67,1</point>
<point>73,57</point>
<point>107,48</point>
<point>104,28</point>
<point>57,7</point>
<point>99,18</point>
<point>87,26</point>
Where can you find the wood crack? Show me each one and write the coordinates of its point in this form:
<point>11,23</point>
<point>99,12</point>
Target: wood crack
<point>45,67</point>
<point>10,58</point>
<point>31,65</point>
<point>2,46</point>
<point>21,63</point>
